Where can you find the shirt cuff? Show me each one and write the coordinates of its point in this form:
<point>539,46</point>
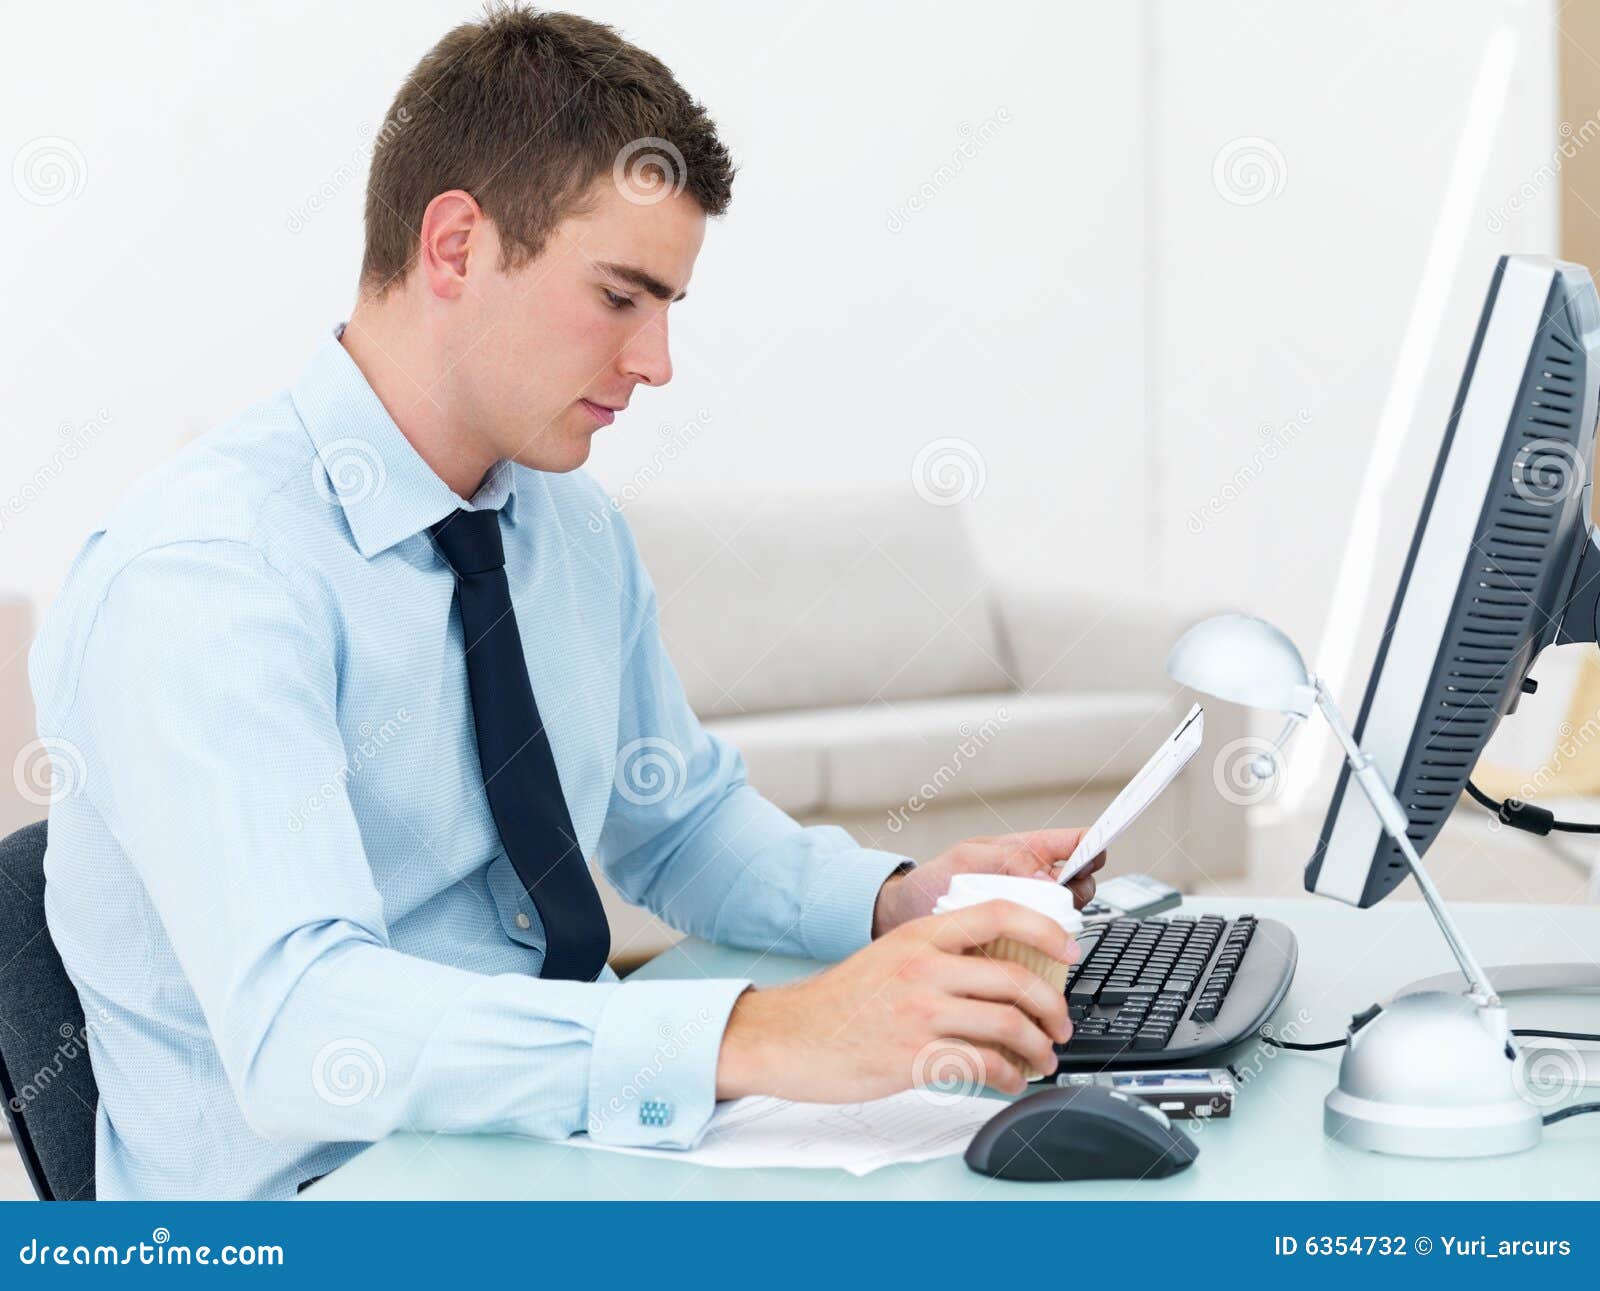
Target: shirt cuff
<point>653,1061</point>
<point>837,920</point>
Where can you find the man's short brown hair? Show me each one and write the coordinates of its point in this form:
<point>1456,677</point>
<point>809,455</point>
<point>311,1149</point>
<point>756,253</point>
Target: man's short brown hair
<point>525,110</point>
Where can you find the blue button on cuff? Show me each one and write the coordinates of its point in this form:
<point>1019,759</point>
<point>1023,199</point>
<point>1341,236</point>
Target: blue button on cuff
<point>653,1111</point>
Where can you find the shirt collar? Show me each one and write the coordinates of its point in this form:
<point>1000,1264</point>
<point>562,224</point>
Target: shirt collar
<point>387,491</point>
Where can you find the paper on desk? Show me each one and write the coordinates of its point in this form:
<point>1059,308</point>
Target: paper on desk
<point>918,1125</point>
<point>1140,792</point>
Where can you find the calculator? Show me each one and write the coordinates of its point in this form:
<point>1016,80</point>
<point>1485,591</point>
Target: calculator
<point>1131,896</point>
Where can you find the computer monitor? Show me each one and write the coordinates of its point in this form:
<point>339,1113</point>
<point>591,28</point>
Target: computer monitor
<point>1502,564</point>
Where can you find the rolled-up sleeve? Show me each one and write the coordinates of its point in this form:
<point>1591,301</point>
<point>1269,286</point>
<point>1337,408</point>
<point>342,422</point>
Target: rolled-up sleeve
<point>208,687</point>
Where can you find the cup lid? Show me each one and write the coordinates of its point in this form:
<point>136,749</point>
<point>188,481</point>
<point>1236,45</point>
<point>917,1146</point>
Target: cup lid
<point>1049,899</point>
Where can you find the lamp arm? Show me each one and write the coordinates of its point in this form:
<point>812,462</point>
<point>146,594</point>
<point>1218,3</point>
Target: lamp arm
<point>1395,823</point>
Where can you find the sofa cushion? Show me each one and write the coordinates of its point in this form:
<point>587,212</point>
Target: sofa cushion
<point>898,757</point>
<point>787,771</point>
<point>778,602</point>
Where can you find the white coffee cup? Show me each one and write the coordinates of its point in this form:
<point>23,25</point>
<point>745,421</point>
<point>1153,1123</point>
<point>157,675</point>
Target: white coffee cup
<point>1049,899</point>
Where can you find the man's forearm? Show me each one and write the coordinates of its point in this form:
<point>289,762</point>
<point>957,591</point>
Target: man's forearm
<point>740,872</point>
<point>369,1040</point>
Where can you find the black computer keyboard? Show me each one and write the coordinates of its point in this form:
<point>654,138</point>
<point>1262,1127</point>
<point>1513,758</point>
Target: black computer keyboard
<point>1158,991</point>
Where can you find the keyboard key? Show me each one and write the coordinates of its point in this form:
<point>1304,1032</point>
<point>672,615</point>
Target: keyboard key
<point>1099,1044</point>
<point>1084,992</point>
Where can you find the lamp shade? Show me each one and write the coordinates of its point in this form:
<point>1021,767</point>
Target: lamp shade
<point>1243,660</point>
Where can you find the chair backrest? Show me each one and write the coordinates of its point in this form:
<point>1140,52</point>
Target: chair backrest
<point>45,1076</point>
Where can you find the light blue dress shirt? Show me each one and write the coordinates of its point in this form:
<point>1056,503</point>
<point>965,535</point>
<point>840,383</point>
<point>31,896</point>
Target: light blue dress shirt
<point>272,870</point>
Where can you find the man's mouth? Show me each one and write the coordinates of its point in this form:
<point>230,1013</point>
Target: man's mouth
<point>604,415</point>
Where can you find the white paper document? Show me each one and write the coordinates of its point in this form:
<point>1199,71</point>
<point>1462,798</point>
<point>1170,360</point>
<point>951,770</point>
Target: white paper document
<point>917,1125</point>
<point>1140,792</point>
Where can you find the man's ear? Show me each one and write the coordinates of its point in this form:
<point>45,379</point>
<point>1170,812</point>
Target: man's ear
<point>454,228</point>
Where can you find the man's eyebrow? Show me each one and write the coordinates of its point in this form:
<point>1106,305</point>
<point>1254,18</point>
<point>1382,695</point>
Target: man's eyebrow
<point>637,277</point>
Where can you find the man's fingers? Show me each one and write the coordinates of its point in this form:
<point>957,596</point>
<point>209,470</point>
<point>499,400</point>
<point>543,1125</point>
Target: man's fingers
<point>999,1026</point>
<point>1023,863</point>
<point>999,1072</point>
<point>991,979</point>
<point>1082,889</point>
<point>977,925</point>
<point>1048,845</point>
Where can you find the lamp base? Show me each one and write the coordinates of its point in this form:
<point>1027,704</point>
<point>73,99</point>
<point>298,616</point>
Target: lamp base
<point>1433,1075</point>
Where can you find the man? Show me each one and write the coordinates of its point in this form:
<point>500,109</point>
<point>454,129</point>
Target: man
<point>348,689</point>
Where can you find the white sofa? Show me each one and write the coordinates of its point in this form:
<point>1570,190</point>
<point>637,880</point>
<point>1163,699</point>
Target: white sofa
<point>876,676</point>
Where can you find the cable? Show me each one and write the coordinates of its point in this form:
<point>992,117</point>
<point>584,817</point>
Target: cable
<point>1340,1043</point>
<point>1577,1109</point>
<point>1356,1023</point>
<point>1525,816</point>
<point>1361,1019</point>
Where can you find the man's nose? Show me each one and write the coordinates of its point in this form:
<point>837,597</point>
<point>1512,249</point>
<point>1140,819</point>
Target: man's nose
<point>648,357</point>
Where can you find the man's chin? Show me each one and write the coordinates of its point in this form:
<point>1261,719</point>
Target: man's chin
<point>571,452</point>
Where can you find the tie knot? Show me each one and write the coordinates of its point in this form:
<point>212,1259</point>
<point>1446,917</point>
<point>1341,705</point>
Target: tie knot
<point>470,541</point>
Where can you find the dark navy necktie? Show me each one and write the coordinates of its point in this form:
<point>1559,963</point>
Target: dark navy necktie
<point>519,770</point>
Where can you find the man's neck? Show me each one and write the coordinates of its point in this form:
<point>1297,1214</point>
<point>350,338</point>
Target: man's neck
<point>409,380</point>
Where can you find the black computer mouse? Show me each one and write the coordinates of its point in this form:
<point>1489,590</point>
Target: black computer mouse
<point>1080,1132</point>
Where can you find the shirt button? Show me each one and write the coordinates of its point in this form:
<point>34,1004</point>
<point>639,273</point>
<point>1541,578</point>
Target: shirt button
<point>523,921</point>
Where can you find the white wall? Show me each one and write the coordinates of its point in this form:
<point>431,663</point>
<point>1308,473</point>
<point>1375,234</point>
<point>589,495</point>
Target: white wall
<point>1292,312</point>
<point>1075,297</point>
<point>825,348</point>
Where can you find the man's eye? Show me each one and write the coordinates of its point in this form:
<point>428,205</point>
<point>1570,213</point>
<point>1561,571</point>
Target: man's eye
<point>616,301</point>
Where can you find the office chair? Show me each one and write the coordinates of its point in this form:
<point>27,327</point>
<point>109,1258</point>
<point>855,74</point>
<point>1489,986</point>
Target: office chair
<point>45,1076</point>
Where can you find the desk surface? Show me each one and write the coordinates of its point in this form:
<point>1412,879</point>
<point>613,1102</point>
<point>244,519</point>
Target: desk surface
<point>1271,1148</point>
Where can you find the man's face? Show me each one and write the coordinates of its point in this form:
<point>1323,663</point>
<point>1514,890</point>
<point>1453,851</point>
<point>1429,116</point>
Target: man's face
<point>550,348</point>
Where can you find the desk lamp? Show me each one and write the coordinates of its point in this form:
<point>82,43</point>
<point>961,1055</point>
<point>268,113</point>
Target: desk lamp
<point>1433,1074</point>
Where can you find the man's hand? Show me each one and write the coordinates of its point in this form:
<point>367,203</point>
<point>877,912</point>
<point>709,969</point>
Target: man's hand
<point>904,1011</point>
<point>1034,854</point>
